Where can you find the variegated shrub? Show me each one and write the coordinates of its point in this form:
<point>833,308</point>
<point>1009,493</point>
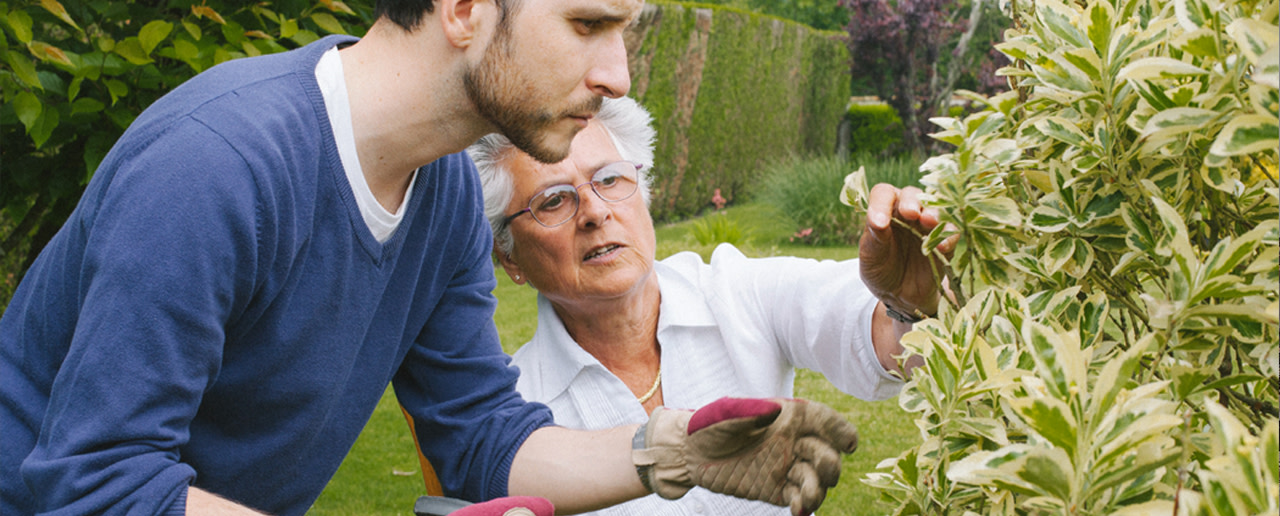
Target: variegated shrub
<point>1112,343</point>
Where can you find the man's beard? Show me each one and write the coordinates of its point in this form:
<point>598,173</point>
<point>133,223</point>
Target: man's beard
<point>495,87</point>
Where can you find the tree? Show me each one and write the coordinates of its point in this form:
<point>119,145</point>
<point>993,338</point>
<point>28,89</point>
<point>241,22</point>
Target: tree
<point>900,48</point>
<point>1113,343</point>
<point>74,76</point>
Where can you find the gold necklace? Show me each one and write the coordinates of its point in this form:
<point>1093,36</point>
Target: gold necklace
<point>652,390</point>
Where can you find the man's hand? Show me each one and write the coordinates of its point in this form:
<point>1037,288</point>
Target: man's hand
<point>784,452</point>
<point>889,252</point>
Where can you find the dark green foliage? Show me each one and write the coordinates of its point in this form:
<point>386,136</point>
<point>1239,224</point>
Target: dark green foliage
<point>74,75</point>
<point>873,129</point>
<point>729,92</point>
<point>819,14</point>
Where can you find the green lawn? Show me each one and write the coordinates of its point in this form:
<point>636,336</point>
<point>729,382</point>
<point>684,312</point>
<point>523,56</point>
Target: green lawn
<point>381,475</point>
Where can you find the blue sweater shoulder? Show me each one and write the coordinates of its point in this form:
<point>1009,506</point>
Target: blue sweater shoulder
<point>215,313</point>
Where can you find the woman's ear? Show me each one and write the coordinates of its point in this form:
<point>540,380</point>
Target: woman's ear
<point>509,264</point>
<point>464,21</point>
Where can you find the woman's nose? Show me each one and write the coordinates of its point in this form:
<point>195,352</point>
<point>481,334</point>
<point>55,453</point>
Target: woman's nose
<point>593,210</point>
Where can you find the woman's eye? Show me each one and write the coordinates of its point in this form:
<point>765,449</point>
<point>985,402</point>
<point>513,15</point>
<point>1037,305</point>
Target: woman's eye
<point>554,201</point>
<point>607,181</point>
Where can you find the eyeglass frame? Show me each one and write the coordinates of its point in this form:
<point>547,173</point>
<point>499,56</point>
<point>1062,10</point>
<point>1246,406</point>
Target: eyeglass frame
<point>576,196</point>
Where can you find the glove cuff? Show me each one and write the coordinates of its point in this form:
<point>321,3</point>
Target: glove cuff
<point>644,470</point>
<point>658,453</point>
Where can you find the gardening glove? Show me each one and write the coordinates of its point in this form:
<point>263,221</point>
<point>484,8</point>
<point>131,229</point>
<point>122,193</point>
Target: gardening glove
<point>509,506</point>
<point>782,451</point>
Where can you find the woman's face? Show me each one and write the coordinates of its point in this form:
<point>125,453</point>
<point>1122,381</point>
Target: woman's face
<point>605,251</point>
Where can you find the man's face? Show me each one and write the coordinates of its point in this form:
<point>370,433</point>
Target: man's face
<point>547,68</point>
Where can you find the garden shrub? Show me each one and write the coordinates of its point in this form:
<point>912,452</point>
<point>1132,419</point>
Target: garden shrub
<point>873,129</point>
<point>718,229</point>
<point>1112,347</point>
<point>801,188</point>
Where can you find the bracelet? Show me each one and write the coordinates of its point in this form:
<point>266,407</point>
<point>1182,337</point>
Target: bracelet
<point>637,443</point>
<point>909,318</point>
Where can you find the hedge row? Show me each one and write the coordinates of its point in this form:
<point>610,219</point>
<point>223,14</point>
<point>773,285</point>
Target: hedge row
<point>731,91</point>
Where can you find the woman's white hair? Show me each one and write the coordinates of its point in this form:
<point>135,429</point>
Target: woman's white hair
<point>628,124</point>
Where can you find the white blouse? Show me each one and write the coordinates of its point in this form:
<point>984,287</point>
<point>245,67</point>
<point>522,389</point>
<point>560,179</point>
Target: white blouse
<point>737,327</point>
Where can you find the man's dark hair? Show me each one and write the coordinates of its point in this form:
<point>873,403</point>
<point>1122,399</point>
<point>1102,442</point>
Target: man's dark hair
<point>405,13</point>
<point>408,13</point>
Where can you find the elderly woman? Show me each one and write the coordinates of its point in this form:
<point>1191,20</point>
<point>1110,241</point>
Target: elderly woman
<point>620,334</point>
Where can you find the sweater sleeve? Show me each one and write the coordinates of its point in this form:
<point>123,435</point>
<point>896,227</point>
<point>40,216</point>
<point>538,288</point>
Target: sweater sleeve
<point>166,240</point>
<point>457,382</point>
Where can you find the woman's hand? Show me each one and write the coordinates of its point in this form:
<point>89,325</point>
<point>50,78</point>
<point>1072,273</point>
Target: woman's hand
<point>892,264</point>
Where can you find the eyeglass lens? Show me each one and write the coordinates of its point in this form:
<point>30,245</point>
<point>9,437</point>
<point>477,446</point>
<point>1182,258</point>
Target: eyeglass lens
<point>557,204</point>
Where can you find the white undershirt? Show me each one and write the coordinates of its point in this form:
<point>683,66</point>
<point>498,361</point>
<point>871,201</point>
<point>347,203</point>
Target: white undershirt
<point>333,87</point>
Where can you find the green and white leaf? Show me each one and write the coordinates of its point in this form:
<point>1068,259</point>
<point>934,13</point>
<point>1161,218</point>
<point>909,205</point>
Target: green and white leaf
<point>1254,37</point>
<point>1247,134</point>
<point>1061,21</point>
<point>1267,71</point>
<point>855,192</point>
<point>1154,68</point>
<point>1057,71</point>
<point>1189,14</point>
<point>1063,130</point>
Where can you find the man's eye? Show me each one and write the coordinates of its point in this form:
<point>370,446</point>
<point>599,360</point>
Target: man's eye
<point>586,26</point>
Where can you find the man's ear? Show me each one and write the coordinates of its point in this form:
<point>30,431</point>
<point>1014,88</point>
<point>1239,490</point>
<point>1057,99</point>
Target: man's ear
<point>508,264</point>
<point>464,21</point>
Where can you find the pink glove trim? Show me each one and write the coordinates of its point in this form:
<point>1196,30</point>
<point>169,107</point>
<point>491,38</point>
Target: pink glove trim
<point>734,408</point>
<point>501,506</point>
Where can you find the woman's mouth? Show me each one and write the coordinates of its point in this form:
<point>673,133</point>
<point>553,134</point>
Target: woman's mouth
<point>600,251</point>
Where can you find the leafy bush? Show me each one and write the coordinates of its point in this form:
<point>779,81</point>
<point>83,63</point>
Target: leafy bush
<point>873,128</point>
<point>801,188</point>
<point>74,76</point>
<point>1113,343</point>
<point>716,229</point>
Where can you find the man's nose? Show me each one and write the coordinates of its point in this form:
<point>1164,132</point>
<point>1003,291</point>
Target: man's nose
<point>610,77</point>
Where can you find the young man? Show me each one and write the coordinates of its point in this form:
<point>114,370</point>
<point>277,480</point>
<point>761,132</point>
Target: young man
<point>274,241</point>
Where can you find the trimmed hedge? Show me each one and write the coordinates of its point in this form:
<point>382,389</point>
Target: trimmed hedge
<point>873,129</point>
<point>731,91</point>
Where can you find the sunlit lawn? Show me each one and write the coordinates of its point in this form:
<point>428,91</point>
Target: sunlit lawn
<point>381,475</point>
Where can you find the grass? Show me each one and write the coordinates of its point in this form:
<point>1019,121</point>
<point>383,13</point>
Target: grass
<point>381,474</point>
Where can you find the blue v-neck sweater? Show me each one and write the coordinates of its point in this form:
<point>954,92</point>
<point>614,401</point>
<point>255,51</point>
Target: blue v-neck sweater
<point>217,313</point>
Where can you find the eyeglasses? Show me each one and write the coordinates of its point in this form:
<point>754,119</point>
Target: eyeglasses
<point>558,204</point>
